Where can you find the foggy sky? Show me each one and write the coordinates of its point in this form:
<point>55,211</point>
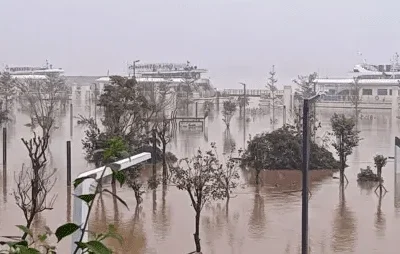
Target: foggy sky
<point>237,41</point>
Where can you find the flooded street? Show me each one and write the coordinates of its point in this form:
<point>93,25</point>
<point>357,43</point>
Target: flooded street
<point>257,220</point>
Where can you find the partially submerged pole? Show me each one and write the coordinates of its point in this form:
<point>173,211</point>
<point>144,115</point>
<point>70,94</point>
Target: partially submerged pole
<point>69,163</point>
<point>4,149</point>
<point>71,119</point>
<point>196,109</point>
<point>284,114</point>
<point>153,157</point>
<point>304,191</point>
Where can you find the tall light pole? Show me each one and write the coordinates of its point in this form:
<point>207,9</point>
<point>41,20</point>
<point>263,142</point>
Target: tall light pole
<point>244,114</point>
<point>305,167</point>
<point>134,67</point>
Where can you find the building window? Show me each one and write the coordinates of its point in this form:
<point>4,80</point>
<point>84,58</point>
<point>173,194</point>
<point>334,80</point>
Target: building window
<point>390,92</point>
<point>382,92</point>
<point>367,91</point>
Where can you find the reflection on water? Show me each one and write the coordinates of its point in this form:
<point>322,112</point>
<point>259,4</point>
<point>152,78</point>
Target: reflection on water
<point>257,220</point>
<point>344,226</point>
<point>367,187</point>
<point>163,218</point>
<point>229,142</point>
<point>380,220</point>
<point>5,193</point>
<point>69,205</point>
<point>264,219</point>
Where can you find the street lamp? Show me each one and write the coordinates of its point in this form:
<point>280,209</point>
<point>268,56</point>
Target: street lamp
<point>134,67</point>
<point>244,114</point>
<point>305,166</point>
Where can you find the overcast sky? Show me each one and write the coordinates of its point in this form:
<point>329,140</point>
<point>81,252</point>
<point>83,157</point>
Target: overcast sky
<point>237,41</point>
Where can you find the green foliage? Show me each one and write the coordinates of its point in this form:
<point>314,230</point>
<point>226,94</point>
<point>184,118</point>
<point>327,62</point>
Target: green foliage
<point>7,94</point>
<point>380,161</point>
<point>306,85</point>
<point>241,101</point>
<point>65,230</point>
<point>272,81</point>
<point>115,149</point>
<point>229,108</point>
<point>367,175</point>
<point>281,149</point>
<point>229,174</point>
<point>126,116</point>
<point>200,177</point>
<point>96,246</point>
<point>208,106</point>
<point>347,137</point>
<point>135,182</point>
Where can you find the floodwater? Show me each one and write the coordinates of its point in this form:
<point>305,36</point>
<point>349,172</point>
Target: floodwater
<point>257,220</point>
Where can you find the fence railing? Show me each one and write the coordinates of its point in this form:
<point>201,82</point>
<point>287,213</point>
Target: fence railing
<point>87,186</point>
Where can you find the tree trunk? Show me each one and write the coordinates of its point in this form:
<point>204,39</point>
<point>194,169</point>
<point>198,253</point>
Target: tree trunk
<point>138,197</point>
<point>165,176</point>
<point>341,176</point>
<point>257,176</point>
<point>28,225</point>
<point>197,232</point>
<point>379,171</point>
<point>227,193</point>
<point>153,157</point>
<point>187,102</point>
<point>342,166</point>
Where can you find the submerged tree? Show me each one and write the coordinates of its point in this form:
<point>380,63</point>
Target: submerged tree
<point>271,85</point>
<point>355,97</point>
<point>281,149</point>
<point>199,176</point>
<point>135,182</point>
<point>229,174</point>
<point>208,106</point>
<point>164,135</point>
<point>43,100</point>
<point>380,161</point>
<point>229,108</point>
<point>347,138</point>
<point>242,102</point>
<point>34,183</point>
<point>188,84</point>
<point>7,94</point>
<point>124,117</point>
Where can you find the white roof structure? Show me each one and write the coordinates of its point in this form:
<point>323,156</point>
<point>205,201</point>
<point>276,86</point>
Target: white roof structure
<point>155,80</point>
<point>25,77</point>
<point>360,81</point>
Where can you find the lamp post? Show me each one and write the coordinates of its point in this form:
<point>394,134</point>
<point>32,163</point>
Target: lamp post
<point>244,114</point>
<point>305,166</point>
<point>134,67</point>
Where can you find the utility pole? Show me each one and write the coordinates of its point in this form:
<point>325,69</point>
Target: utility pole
<point>134,67</point>
<point>305,168</point>
<point>244,114</point>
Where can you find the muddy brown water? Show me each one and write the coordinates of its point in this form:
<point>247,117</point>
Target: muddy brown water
<point>257,220</point>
